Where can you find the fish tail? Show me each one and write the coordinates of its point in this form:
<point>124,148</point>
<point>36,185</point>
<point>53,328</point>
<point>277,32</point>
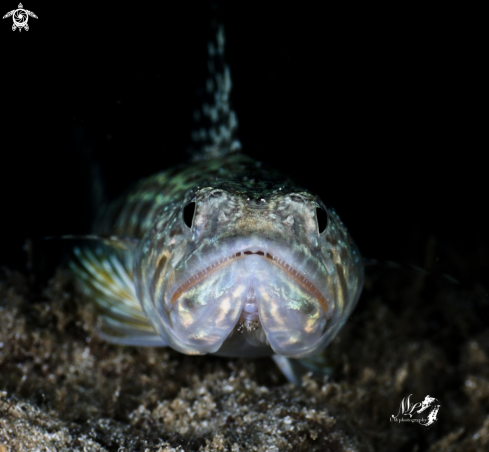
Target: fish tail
<point>215,122</point>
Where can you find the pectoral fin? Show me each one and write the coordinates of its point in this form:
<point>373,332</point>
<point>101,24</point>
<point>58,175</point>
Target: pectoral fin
<point>295,369</point>
<point>104,269</point>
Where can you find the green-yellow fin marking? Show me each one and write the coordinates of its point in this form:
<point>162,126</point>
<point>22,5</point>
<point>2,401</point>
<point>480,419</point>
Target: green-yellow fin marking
<point>105,273</point>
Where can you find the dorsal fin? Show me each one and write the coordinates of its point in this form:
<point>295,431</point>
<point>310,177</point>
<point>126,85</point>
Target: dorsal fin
<point>215,129</point>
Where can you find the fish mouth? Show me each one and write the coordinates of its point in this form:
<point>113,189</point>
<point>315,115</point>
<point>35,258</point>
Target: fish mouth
<point>250,308</point>
<point>252,289</point>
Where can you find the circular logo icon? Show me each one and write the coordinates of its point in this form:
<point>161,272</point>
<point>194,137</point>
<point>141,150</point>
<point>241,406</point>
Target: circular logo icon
<point>20,18</point>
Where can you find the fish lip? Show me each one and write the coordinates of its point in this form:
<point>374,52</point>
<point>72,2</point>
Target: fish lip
<point>237,251</point>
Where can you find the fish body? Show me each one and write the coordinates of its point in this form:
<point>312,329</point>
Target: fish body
<point>221,255</point>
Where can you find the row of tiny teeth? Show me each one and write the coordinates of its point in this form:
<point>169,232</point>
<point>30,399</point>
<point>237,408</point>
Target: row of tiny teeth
<point>221,261</point>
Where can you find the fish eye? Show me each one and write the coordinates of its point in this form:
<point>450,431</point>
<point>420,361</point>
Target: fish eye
<point>321,219</point>
<point>188,214</point>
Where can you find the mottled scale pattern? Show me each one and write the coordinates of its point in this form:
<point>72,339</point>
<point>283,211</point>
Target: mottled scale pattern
<point>134,213</point>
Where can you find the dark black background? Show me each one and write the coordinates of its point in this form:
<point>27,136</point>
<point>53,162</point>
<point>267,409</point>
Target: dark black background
<point>378,110</point>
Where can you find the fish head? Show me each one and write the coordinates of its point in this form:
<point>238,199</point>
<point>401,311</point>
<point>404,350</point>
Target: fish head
<point>241,272</point>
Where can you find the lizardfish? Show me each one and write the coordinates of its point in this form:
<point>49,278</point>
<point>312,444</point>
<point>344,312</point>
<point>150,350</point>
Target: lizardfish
<point>223,254</point>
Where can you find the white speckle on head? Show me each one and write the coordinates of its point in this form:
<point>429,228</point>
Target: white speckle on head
<point>222,217</point>
<point>289,220</point>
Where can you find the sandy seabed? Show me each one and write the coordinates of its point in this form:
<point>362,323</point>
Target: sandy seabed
<point>63,389</point>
